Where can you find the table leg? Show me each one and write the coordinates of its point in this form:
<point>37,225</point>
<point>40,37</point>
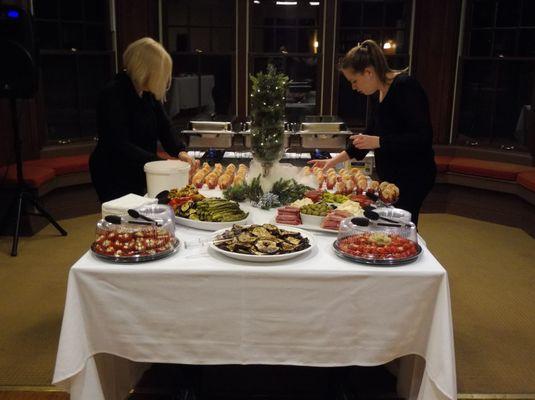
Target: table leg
<point>106,377</point>
<point>410,373</point>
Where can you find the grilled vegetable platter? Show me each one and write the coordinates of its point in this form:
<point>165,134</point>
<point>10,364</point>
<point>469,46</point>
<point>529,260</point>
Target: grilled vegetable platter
<point>208,213</point>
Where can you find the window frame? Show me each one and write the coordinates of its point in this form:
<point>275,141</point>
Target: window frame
<point>74,55</point>
<point>490,141</point>
<point>356,123</point>
<point>202,53</point>
<point>254,55</point>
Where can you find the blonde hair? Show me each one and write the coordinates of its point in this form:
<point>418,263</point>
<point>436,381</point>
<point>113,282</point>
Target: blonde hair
<point>149,66</point>
<point>366,54</point>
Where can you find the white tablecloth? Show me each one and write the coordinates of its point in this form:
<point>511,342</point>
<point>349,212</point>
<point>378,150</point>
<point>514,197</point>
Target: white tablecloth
<point>198,307</point>
<point>184,93</point>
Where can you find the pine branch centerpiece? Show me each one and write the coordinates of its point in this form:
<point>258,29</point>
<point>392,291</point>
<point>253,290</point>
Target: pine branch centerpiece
<point>267,114</point>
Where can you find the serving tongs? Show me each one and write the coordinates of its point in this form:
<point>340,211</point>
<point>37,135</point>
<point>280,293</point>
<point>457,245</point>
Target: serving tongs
<point>117,220</point>
<point>163,197</point>
<point>371,214</point>
<point>137,215</point>
<point>361,221</point>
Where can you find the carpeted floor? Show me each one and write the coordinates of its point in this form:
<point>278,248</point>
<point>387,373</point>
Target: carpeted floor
<point>491,271</point>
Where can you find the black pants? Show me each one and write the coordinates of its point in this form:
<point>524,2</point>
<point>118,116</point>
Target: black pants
<point>112,181</point>
<point>412,195</point>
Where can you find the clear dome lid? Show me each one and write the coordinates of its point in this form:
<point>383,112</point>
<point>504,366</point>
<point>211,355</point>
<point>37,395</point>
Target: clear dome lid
<point>394,213</point>
<point>129,236</point>
<point>373,242</point>
<point>355,226</point>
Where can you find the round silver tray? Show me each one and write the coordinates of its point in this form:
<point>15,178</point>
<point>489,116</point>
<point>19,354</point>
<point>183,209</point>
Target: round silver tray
<point>137,258</point>
<point>379,262</point>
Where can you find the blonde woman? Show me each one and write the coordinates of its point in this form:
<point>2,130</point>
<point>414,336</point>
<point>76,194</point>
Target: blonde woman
<point>399,130</point>
<point>131,120</point>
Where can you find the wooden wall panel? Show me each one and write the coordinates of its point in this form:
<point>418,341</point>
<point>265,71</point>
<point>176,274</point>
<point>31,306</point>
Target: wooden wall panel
<point>31,131</point>
<point>135,19</point>
<point>436,32</point>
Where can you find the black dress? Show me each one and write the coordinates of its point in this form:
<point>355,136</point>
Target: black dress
<point>129,127</point>
<point>405,157</point>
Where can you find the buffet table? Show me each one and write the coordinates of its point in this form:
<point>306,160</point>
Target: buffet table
<point>199,307</point>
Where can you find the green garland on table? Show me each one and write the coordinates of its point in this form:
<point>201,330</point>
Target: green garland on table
<point>289,190</point>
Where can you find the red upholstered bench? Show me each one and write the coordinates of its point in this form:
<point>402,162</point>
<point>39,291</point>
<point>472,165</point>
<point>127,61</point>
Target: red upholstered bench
<point>443,163</point>
<point>63,165</point>
<point>527,179</point>
<point>48,173</point>
<point>487,169</point>
<point>34,177</point>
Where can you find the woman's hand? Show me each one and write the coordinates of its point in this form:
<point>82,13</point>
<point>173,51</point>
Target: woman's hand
<point>183,156</point>
<point>323,164</point>
<point>365,142</point>
<point>331,162</point>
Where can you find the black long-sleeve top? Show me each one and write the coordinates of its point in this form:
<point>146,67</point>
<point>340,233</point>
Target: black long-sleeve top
<point>403,124</point>
<point>129,127</point>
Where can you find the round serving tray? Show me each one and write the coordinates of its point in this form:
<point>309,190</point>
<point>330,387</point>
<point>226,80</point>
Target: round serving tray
<point>137,258</point>
<point>265,258</point>
<point>375,261</point>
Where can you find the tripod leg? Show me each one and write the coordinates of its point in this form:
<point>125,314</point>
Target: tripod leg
<point>45,214</point>
<point>17,227</point>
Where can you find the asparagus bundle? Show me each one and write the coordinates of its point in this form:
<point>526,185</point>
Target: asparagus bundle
<point>219,210</point>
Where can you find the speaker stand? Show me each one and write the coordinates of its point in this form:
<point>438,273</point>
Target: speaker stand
<point>24,196</point>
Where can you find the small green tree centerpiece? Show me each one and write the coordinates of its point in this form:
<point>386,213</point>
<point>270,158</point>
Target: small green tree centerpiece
<point>267,114</point>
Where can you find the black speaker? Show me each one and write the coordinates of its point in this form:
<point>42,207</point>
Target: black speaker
<point>18,70</point>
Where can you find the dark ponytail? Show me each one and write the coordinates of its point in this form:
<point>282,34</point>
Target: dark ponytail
<point>367,54</point>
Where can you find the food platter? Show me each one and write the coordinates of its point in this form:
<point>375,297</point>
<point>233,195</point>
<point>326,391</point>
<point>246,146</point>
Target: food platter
<point>378,261</point>
<point>308,227</point>
<point>194,210</point>
<point>267,258</point>
<point>207,225</point>
<point>137,258</point>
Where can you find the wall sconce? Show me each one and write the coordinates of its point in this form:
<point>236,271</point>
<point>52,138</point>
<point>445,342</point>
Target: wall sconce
<point>389,47</point>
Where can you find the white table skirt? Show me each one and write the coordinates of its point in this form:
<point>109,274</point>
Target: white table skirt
<point>199,307</point>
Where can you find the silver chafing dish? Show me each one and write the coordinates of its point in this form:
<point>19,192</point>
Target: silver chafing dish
<point>209,134</point>
<point>323,135</point>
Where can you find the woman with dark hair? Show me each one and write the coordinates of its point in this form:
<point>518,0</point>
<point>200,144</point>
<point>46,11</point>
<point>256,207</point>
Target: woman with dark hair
<point>399,130</point>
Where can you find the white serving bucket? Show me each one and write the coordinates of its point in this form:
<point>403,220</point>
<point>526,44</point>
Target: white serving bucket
<point>166,175</point>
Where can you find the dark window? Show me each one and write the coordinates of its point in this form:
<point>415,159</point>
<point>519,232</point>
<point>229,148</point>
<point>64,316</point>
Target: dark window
<point>76,61</point>
<point>385,21</point>
<point>497,73</point>
<point>289,37</point>
<point>201,38</point>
